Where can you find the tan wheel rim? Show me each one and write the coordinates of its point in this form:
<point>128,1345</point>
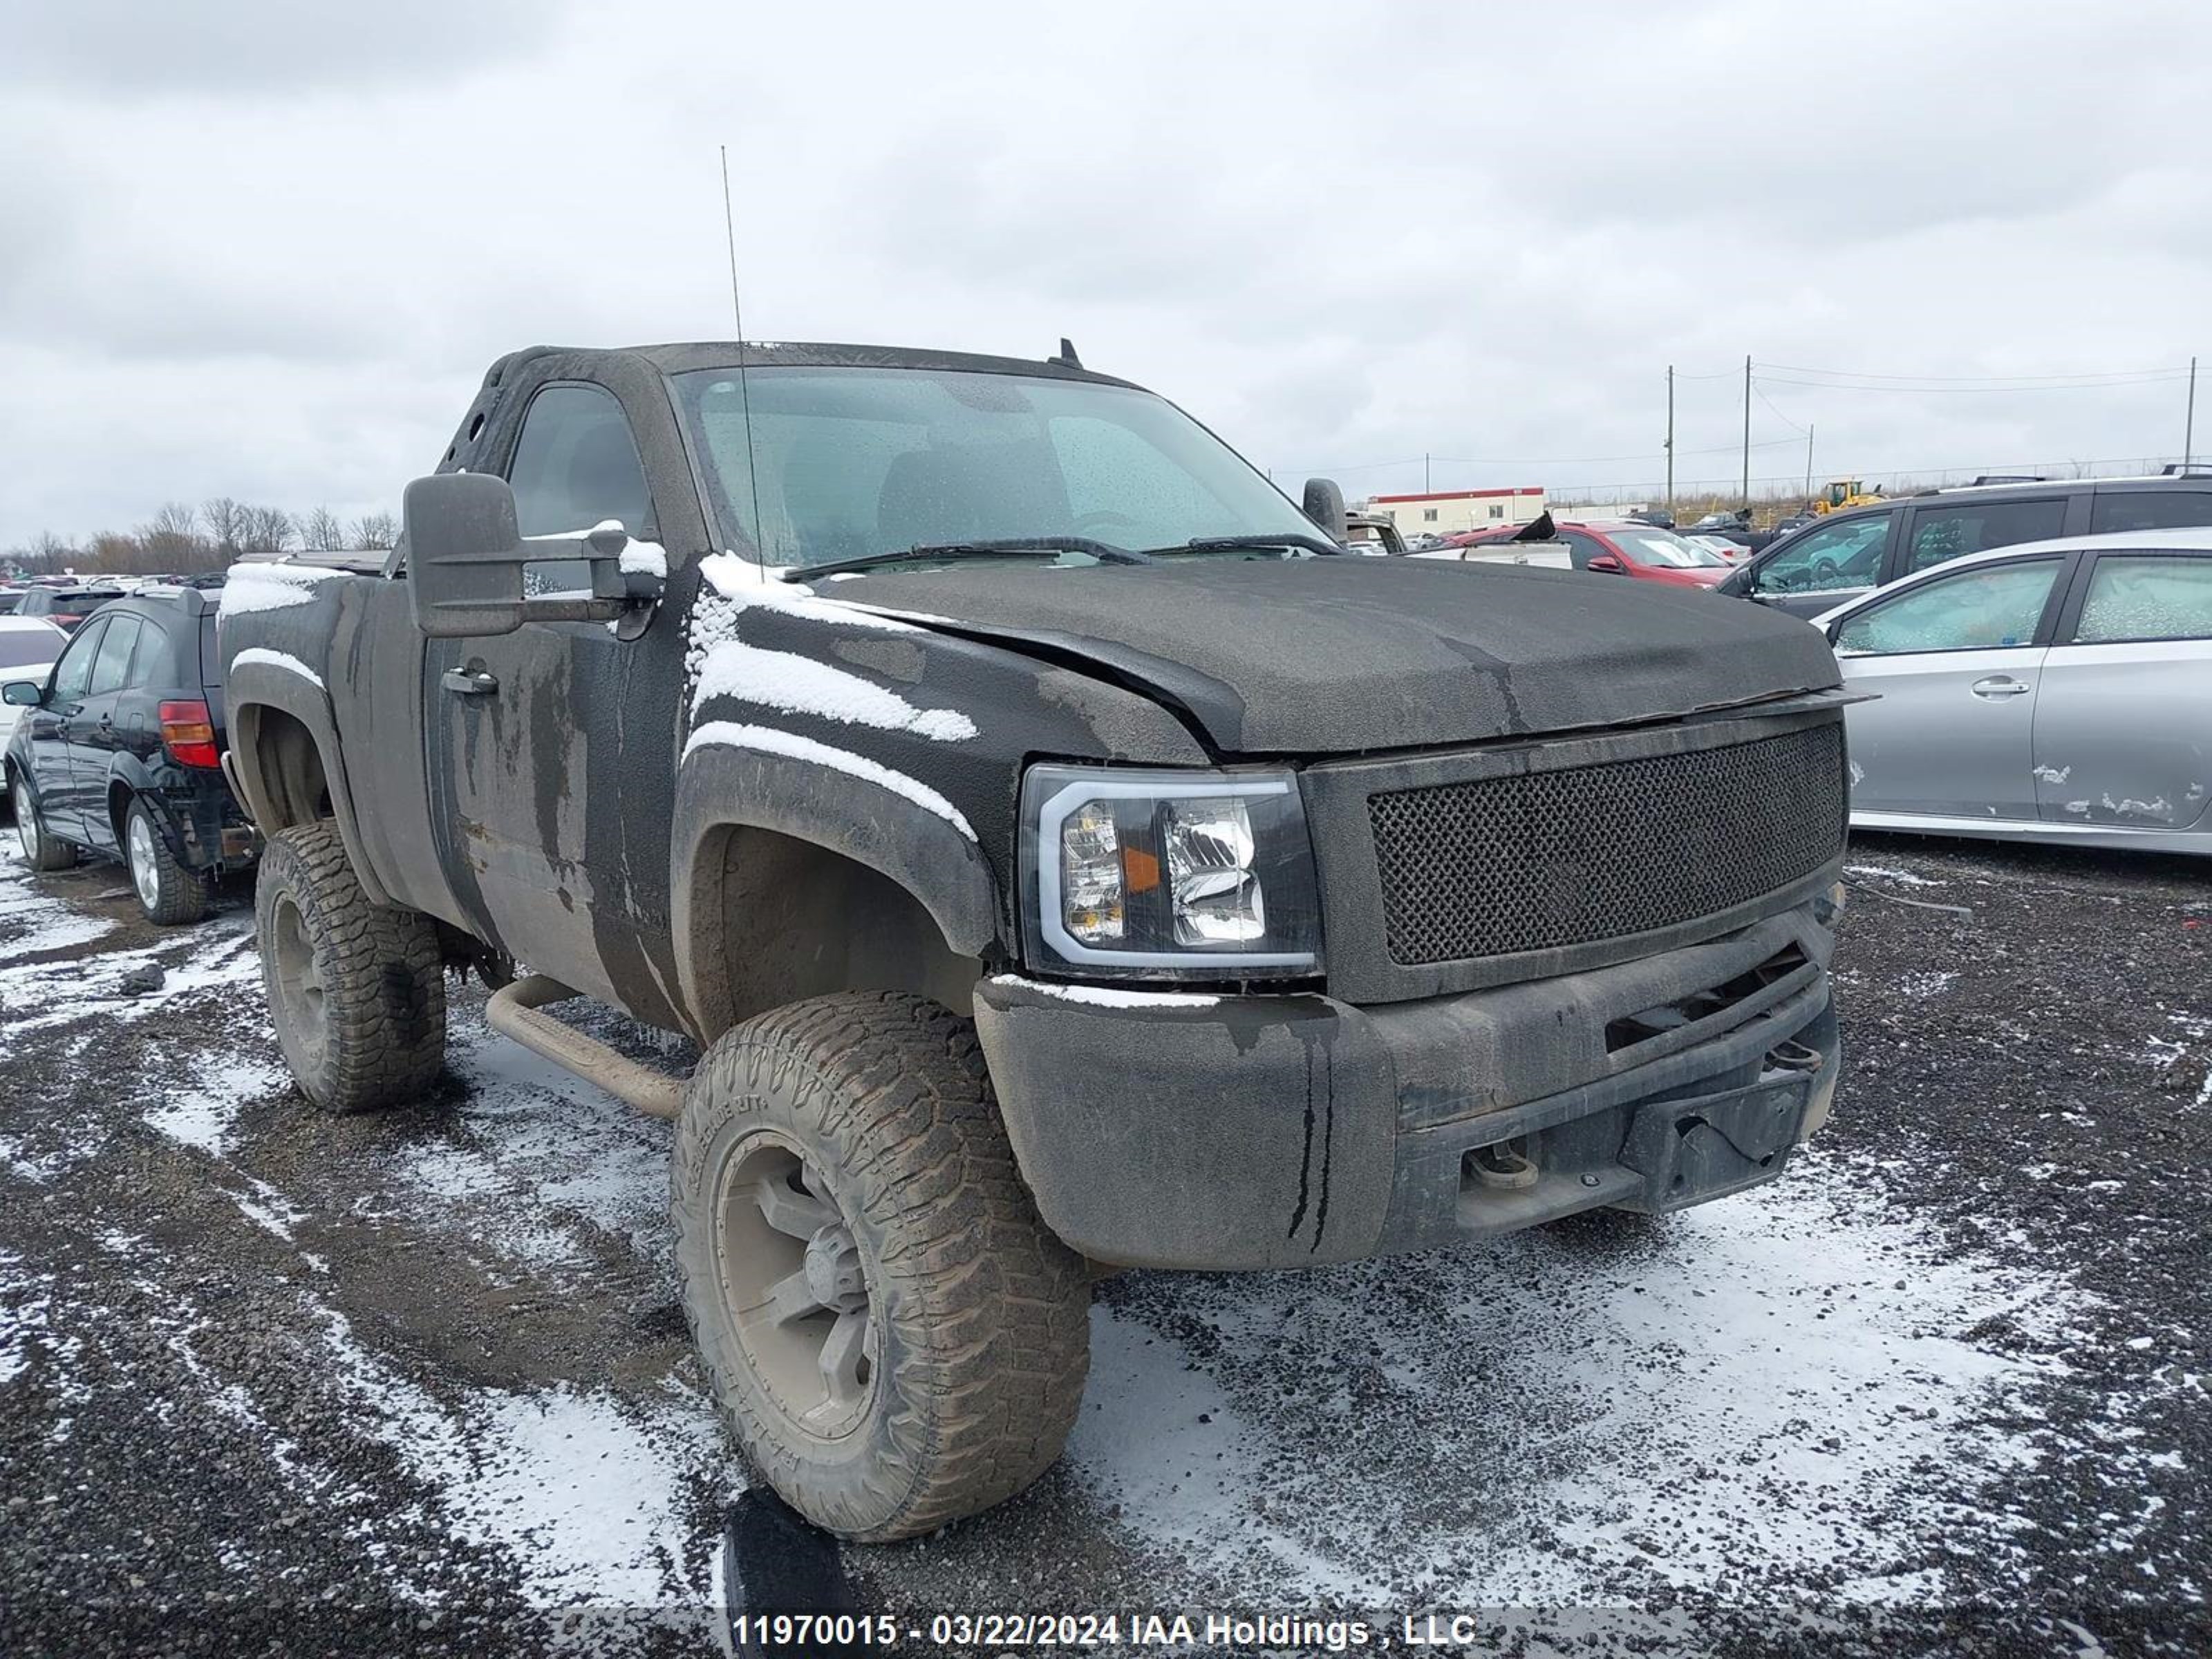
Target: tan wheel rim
<point>298,981</point>
<point>795,1288</point>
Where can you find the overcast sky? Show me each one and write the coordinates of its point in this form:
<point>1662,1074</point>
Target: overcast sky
<point>266,249</point>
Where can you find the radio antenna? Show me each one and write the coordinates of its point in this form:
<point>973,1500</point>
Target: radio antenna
<point>744,390</point>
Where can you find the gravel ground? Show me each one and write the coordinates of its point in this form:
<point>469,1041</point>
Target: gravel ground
<point>276,1382</point>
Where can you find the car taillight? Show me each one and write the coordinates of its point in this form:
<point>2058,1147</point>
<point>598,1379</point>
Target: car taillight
<point>188,733</point>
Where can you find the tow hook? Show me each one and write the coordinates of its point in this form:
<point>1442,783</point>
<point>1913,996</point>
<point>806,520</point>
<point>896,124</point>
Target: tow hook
<point>1790,1056</point>
<point>1508,1165</point>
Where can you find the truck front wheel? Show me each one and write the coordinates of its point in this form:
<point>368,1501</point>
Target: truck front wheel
<point>897,1340</point>
<point>354,989</point>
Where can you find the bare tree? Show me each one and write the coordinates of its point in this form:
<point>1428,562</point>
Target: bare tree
<point>225,519</point>
<point>171,539</point>
<point>321,530</point>
<point>379,529</point>
<point>267,529</point>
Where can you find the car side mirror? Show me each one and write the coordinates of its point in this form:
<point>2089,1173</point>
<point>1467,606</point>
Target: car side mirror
<point>465,556</point>
<point>1324,505</point>
<point>1605,564</point>
<point>22,693</point>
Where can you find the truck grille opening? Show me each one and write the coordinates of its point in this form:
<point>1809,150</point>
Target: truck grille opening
<point>1541,860</point>
<point>1649,1023</point>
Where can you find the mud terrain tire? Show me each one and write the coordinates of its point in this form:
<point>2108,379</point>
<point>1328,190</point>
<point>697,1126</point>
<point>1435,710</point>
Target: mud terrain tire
<point>925,1357</point>
<point>355,989</point>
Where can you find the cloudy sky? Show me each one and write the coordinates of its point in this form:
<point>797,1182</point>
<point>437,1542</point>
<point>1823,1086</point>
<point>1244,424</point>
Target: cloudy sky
<point>265,248</point>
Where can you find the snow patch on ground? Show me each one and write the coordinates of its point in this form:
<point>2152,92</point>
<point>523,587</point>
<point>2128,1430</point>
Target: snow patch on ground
<point>1887,873</point>
<point>34,922</point>
<point>1744,1393</point>
<point>204,1113</point>
<point>546,1161</point>
<point>1933,983</point>
<point>218,955</point>
<point>581,1492</point>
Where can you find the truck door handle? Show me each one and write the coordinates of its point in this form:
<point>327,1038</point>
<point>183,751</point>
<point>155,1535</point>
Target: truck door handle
<point>468,682</point>
<point>1998,686</point>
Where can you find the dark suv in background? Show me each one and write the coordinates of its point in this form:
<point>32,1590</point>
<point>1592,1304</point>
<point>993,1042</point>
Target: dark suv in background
<point>1843,556</point>
<point>66,607</point>
<point>120,751</point>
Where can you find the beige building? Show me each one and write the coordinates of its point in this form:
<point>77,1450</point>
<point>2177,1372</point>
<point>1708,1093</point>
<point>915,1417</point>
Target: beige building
<point>1450,511</point>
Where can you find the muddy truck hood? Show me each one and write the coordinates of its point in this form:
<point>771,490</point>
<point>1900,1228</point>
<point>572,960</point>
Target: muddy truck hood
<point>1337,655</point>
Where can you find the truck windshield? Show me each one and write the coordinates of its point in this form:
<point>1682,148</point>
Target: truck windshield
<point>857,463</point>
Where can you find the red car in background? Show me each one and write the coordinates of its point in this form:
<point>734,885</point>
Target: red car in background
<point>1619,548</point>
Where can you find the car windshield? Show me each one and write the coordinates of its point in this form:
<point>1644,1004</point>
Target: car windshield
<point>858,463</point>
<point>1648,546</point>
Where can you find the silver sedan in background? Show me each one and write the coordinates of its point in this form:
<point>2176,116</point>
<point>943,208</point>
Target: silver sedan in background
<point>2053,691</point>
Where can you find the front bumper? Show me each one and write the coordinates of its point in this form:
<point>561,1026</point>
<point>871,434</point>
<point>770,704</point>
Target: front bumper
<point>1288,1131</point>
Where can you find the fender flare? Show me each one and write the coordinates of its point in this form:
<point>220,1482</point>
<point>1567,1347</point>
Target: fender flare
<point>255,686</point>
<point>720,789</point>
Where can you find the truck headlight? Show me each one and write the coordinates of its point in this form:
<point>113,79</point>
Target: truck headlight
<point>1168,873</point>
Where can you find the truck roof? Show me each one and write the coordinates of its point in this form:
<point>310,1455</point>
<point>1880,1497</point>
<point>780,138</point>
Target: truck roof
<point>676,357</point>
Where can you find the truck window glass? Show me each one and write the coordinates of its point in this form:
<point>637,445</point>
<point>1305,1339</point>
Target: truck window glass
<point>1974,610</point>
<point>575,465</point>
<point>1942,534</point>
<point>2147,599</point>
<point>2150,509</point>
<point>853,461</point>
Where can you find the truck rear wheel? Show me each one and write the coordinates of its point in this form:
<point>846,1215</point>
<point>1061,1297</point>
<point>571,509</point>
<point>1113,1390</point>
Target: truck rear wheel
<point>354,989</point>
<point>897,1340</point>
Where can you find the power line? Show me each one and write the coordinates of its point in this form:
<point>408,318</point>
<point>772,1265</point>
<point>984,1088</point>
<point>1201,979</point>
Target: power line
<point>1532,460</point>
<point>1978,391</point>
<point>1784,419</point>
<point>2084,375</point>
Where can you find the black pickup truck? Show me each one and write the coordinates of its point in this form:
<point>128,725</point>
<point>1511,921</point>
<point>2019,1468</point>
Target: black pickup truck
<point>1066,854</point>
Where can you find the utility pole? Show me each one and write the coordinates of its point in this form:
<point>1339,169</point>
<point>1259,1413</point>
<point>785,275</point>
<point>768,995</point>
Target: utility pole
<point>2189,427</point>
<point>1747,432</point>
<point>1809,431</point>
<point>1425,472</point>
<point>1670,440</point>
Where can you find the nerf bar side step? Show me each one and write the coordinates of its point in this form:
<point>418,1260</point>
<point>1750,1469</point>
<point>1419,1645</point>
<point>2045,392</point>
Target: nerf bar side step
<point>513,1012</point>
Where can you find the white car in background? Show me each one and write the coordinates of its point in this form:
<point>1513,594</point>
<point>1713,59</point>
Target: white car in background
<point>2055,690</point>
<point>29,647</point>
<point>1734,552</point>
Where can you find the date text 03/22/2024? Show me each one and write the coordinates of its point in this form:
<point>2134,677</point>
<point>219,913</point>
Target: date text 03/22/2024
<point>770,1631</point>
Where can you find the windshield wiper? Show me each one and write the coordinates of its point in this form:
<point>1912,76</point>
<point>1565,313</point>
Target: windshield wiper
<point>1205,544</point>
<point>1006,547</point>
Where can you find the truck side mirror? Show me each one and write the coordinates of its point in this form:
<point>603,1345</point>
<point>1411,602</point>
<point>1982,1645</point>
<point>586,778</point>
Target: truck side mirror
<point>465,556</point>
<point>1324,505</point>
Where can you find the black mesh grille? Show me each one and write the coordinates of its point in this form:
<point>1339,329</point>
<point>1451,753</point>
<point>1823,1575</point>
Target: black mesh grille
<point>1534,862</point>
